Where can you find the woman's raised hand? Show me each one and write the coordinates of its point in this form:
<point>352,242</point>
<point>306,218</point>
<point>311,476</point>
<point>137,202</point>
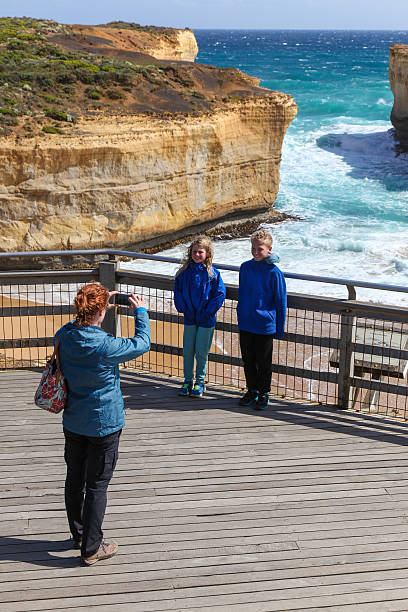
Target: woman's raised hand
<point>109,306</point>
<point>135,302</point>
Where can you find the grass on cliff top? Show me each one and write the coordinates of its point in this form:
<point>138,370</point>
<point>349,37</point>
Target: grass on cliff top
<point>43,77</point>
<point>124,25</point>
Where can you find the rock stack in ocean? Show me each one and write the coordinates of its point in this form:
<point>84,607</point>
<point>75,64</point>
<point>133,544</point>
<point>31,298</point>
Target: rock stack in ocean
<point>398,72</point>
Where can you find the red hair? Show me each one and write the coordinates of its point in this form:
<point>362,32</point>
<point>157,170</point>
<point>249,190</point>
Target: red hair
<point>90,299</point>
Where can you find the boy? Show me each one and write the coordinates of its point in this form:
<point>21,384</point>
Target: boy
<point>261,317</point>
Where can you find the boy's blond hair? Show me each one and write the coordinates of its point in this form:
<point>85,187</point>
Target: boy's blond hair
<point>262,236</point>
<point>205,243</point>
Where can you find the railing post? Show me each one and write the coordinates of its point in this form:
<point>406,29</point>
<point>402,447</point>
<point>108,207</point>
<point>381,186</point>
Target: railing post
<point>346,359</point>
<point>107,277</point>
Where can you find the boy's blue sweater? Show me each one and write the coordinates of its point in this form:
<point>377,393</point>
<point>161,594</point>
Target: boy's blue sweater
<point>198,296</point>
<point>262,297</point>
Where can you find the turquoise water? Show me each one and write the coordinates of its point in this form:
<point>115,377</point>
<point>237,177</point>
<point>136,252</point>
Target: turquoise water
<point>340,171</point>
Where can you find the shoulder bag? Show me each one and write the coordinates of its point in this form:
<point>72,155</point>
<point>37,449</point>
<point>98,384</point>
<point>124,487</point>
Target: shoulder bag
<point>52,391</point>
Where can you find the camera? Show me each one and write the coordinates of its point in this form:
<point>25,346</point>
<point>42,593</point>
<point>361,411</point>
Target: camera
<point>121,299</point>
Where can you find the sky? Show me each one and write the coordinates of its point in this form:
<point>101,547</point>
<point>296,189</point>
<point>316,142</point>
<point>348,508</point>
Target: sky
<point>223,14</point>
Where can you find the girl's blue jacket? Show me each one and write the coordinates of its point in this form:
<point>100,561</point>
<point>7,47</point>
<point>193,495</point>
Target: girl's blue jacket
<point>90,359</point>
<point>198,296</point>
<point>262,297</point>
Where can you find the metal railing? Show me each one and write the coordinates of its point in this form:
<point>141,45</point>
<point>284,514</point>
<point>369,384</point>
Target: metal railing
<point>338,352</point>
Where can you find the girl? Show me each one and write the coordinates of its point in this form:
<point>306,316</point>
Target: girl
<point>198,293</point>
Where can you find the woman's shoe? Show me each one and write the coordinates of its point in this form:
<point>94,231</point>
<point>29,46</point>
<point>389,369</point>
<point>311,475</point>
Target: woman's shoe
<point>107,549</point>
<point>197,390</point>
<point>185,389</point>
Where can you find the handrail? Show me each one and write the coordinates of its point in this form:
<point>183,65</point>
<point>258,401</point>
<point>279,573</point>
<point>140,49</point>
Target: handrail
<point>350,284</point>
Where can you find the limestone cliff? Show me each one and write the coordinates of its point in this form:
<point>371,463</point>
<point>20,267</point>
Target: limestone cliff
<point>398,73</point>
<point>130,180</point>
<point>110,39</point>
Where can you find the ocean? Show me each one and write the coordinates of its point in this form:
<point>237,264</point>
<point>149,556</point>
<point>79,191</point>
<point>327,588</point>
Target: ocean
<point>341,172</point>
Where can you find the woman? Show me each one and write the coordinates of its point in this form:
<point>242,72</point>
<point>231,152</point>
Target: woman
<point>93,417</point>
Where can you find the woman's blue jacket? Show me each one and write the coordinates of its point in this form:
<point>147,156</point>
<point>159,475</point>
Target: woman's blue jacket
<point>262,297</point>
<point>198,296</point>
<point>90,359</point>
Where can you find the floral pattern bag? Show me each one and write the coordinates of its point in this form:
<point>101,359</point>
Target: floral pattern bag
<point>52,391</point>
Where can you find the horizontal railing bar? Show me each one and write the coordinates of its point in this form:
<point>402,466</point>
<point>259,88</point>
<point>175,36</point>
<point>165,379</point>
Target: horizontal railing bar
<point>137,255</point>
<point>382,351</point>
<point>376,385</point>
<point>32,277</point>
<point>15,343</point>
<point>36,311</point>
<point>354,308</point>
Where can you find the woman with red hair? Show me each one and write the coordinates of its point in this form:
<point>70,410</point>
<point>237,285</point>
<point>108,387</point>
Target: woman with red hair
<point>93,417</point>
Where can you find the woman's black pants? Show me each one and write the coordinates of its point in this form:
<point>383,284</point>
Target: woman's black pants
<point>90,465</point>
<point>256,351</point>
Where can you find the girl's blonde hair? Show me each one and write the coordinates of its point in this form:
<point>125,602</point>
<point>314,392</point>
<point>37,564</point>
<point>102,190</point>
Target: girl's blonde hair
<point>90,299</point>
<point>205,243</point>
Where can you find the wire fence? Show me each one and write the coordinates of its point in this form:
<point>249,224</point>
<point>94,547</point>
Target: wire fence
<point>335,352</point>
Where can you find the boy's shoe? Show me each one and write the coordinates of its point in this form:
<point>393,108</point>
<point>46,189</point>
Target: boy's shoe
<point>107,549</point>
<point>185,389</point>
<point>76,544</point>
<point>262,402</point>
<point>197,390</point>
<point>250,398</point>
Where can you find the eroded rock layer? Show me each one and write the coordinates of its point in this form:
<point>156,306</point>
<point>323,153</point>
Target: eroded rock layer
<point>130,180</point>
<point>398,73</point>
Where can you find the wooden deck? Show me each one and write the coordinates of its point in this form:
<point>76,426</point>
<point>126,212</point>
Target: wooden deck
<point>215,508</point>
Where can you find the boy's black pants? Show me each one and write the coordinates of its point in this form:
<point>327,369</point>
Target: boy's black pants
<point>90,465</point>
<point>256,351</point>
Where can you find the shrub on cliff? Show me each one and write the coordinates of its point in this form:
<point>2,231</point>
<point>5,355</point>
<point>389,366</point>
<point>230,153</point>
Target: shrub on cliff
<point>58,115</point>
<point>114,94</point>
<point>51,129</point>
<point>7,111</point>
<point>93,94</point>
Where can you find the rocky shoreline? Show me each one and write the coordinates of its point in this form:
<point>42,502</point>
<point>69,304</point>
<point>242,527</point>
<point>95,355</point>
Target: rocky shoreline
<point>240,227</point>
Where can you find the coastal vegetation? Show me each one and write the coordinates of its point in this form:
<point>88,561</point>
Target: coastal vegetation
<point>51,71</point>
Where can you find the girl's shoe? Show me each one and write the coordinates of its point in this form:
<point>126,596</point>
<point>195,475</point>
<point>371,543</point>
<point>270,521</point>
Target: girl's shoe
<point>185,389</point>
<point>197,390</point>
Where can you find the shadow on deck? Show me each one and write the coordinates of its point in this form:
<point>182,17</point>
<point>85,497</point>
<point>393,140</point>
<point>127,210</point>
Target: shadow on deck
<point>215,507</point>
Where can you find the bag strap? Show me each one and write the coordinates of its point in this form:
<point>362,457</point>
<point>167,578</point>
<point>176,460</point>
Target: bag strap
<point>55,356</point>
<point>56,353</point>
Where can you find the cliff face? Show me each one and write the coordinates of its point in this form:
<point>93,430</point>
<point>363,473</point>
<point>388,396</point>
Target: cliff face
<point>184,48</point>
<point>398,73</point>
<point>132,180</point>
<point>159,43</point>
